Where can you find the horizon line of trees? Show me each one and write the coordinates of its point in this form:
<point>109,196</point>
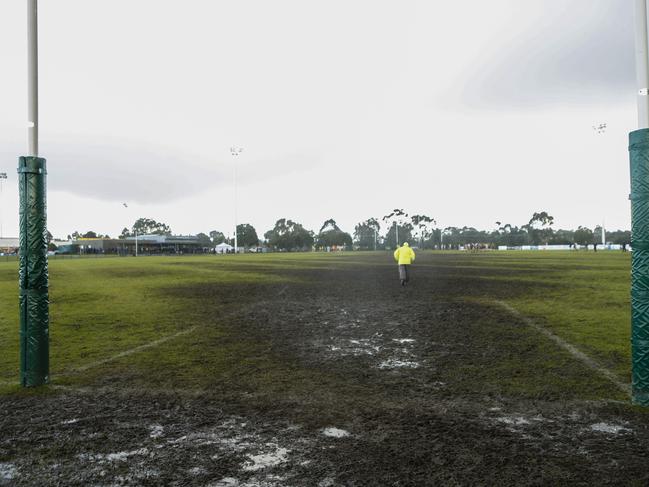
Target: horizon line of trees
<point>419,230</point>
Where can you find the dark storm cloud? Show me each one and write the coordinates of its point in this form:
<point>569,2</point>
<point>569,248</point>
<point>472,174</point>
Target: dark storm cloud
<point>124,171</point>
<point>577,51</point>
<point>116,170</point>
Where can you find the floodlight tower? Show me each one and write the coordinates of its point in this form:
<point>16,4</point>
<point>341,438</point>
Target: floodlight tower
<point>600,129</point>
<point>134,231</point>
<point>3,176</point>
<point>32,272</point>
<point>235,151</point>
<point>639,158</point>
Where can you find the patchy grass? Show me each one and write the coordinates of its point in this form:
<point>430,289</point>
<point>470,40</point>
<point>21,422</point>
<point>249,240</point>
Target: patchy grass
<point>583,297</point>
<point>101,307</point>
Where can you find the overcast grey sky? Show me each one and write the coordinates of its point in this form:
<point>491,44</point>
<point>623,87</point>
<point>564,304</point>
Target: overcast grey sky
<point>468,111</point>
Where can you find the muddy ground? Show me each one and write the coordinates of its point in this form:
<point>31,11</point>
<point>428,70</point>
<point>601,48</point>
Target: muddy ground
<point>432,384</point>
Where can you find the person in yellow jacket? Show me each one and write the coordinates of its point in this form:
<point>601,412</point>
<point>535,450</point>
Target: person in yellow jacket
<point>404,256</point>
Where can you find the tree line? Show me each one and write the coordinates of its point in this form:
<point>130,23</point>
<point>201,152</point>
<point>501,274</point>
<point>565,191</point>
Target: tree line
<point>387,232</point>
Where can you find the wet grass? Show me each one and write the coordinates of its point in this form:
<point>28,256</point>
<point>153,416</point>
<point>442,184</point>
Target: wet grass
<point>101,307</point>
<point>583,297</point>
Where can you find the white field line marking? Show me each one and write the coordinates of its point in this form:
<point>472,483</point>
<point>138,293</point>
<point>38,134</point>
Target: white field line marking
<point>126,353</point>
<point>282,291</point>
<point>626,388</point>
<point>154,343</point>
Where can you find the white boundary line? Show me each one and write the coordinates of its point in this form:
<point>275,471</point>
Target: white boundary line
<point>155,343</point>
<point>131,351</point>
<point>626,388</point>
<point>145,346</point>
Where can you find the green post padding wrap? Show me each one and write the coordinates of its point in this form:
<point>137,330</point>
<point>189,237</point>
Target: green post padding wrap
<point>32,273</point>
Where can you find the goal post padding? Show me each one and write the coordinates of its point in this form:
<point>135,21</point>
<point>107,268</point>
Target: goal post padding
<point>32,273</point>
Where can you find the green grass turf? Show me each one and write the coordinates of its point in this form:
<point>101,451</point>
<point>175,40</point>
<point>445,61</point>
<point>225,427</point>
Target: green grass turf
<point>101,307</point>
<point>586,302</point>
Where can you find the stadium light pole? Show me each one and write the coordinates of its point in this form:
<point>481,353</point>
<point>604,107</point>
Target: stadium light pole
<point>32,271</point>
<point>600,129</point>
<point>3,176</point>
<point>235,151</point>
<point>134,231</point>
<point>639,171</point>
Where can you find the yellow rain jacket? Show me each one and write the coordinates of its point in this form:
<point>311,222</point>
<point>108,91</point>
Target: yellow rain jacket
<point>404,255</point>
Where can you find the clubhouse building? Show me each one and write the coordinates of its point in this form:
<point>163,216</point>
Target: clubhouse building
<point>146,245</point>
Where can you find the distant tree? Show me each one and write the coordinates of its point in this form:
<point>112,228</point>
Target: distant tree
<point>512,236</point>
<point>597,237</point>
<point>366,234</point>
<point>583,236</point>
<point>217,237</point>
<point>597,234</point>
<point>562,237</point>
<point>539,228</point>
<point>247,235</point>
<point>89,234</point>
<point>289,235</point>
<point>204,240</point>
<point>396,219</point>
<point>620,237</point>
<point>126,233</point>
<point>49,237</point>
<point>147,226</point>
<point>450,237</point>
<point>331,235</point>
<point>423,227</point>
<point>470,235</point>
<point>405,235</point>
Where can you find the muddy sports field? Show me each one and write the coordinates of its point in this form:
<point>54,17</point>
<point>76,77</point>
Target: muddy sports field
<point>337,376</point>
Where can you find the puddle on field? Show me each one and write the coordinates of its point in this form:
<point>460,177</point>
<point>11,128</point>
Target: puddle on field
<point>273,457</point>
<point>613,429</point>
<point>260,455</point>
<point>155,431</point>
<point>398,364</point>
<point>513,420</point>
<point>391,353</point>
<point>566,430</point>
<point>8,472</point>
<point>112,457</point>
<point>335,432</point>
